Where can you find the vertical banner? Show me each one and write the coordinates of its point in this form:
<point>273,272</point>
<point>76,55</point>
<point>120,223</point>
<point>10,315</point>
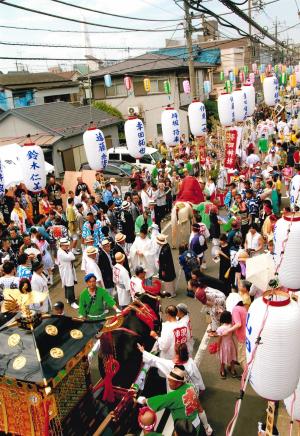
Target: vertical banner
<point>201,149</point>
<point>231,137</point>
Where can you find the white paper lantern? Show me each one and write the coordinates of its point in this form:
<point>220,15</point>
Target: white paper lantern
<point>170,125</point>
<point>240,105</point>
<point>250,97</point>
<point>293,402</point>
<point>226,109</point>
<point>95,148</point>
<point>276,366</point>
<point>295,191</point>
<point>271,90</point>
<point>197,118</point>
<point>33,167</point>
<point>289,270</point>
<point>135,137</point>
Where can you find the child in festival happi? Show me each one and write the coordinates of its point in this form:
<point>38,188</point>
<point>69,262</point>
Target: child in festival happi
<point>227,351</point>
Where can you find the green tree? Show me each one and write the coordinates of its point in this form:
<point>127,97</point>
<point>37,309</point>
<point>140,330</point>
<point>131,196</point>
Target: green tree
<point>106,107</point>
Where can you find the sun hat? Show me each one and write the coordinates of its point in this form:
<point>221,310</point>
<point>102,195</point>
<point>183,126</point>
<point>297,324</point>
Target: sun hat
<point>89,239</point>
<point>64,241</point>
<point>105,242</point>
<point>119,257</point>
<point>177,374</point>
<point>120,237</point>
<point>125,205</point>
<point>91,250</point>
<point>161,239</point>
<point>112,180</point>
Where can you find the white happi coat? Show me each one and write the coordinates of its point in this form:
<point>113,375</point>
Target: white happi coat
<point>39,283</point>
<point>146,259</point>
<point>136,286</point>
<point>91,267</point>
<point>66,268</point>
<point>171,334</point>
<point>122,281</point>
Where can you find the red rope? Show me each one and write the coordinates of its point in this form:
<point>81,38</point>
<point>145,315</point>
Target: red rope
<point>111,366</point>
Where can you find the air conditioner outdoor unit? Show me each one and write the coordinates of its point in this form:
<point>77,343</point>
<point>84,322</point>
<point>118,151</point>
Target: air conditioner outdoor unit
<point>132,110</point>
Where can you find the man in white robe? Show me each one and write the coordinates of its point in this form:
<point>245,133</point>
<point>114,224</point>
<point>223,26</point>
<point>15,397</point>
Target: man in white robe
<point>91,265</point>
<point>142,253</point>
<point>121,280</point>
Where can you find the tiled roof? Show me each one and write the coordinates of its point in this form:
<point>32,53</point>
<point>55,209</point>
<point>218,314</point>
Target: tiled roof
<point>62,118</point>
<point>32,80</point>
<point>148,62</point>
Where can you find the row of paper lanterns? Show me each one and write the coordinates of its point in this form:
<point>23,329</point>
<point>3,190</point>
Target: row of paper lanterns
<point>128,83</point>
<point>237,106</point>
<point>258,69</point>
<point>94,141</point>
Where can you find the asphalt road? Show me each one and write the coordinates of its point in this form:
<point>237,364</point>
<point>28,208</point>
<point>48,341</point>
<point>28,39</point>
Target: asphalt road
<point>220,395</point>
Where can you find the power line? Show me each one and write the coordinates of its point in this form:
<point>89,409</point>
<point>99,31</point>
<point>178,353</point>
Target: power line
<point>33,44</point>
<point>110,14</point>
<point>74,20</point>
<point>163,29</point>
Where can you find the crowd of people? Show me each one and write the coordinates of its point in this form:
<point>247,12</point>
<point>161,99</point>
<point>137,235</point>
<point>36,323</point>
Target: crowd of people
<point>118,242</point>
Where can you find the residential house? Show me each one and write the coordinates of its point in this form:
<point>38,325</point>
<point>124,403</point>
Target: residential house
<point>58,128</point>
<point>166,64</point>
<point>27,89</point>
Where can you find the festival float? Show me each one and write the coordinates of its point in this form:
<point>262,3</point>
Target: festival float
<point>45,379</point>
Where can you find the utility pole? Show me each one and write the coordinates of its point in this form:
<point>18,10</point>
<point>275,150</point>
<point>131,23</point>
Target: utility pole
<point>249,15</point>
<point>189,44</point>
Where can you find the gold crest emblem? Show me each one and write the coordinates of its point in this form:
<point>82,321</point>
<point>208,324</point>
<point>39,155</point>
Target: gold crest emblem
<point>76,334</point>
<point>13,340</point>
<point>19,363</point>
<point>56,353</point>
<point>51,330</point>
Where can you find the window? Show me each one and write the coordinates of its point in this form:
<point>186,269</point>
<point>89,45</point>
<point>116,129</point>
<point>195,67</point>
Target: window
<point>156,87</point>
<point>146,159</point>
<point>54,98</point>
<point>116,90</point>
<point>114,156</point>
<point>159,129</point>
<point>127,158</point>
<point>156,156</point>
<point>110,170</point>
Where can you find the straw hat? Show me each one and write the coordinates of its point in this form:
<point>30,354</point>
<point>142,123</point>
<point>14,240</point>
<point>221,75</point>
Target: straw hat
<point>177,374</point>
<point>119,257</point>
<point>112,180</point>
<point>120,237</point>
<point>64,241</point>
<point>125,205</point>
<point>161,239</point>
<point>91,250</point>
<point>105,242</point>
<point>89,239</point>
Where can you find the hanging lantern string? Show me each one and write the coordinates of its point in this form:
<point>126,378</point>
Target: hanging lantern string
<point>284,242</point>
<point>246,375</point>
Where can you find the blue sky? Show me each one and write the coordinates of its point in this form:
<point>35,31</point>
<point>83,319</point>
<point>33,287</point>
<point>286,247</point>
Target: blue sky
<point>285,10</point>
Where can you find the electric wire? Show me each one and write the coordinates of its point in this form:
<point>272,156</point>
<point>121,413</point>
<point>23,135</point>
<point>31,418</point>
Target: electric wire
<point>111,14</point>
